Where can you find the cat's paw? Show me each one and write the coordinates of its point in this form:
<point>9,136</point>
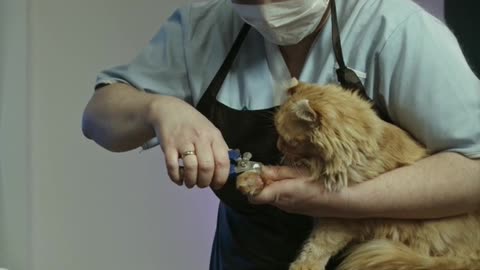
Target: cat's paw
<point>250,183</point>
<point>335,175</point>
<point>335,182</point>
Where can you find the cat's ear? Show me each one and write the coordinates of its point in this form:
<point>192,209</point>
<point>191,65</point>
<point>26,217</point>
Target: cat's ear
<point>304,111</point>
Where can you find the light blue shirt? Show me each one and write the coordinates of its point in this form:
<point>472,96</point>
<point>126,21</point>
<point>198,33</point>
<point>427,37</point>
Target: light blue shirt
<point>409,62</point>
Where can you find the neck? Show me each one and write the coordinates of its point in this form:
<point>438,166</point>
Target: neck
<point>296,55</point>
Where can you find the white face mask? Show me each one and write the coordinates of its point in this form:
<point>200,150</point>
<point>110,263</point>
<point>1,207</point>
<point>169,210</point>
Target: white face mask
<point>286,22</point>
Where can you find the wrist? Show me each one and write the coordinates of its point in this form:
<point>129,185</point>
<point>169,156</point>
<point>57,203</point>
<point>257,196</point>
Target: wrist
<point>344,204</point>
<point>156,108</point>
<point>151,114</point>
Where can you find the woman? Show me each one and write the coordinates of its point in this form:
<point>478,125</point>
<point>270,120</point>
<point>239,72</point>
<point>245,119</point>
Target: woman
<point>215,71</point>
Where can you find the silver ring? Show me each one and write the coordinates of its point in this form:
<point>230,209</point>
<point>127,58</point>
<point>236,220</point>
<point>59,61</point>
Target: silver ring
<point>188,153</point>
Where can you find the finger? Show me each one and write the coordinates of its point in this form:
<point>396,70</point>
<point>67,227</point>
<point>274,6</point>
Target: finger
<point>222,164</point>
<point>205,164</point>
<point>275,173</point>
<point>278,193</point>
<point>171,162</point>
<point>190,168</point>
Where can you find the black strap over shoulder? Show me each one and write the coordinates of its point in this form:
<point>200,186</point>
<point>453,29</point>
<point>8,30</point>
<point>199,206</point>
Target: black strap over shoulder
<point>217,81</point>
<point>347,77</point>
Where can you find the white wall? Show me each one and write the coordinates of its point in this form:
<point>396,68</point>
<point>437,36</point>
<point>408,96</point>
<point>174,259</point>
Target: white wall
<point>93,209</point>
<point>3,243</point>
<point>66,204</point>
<point>15,212</point>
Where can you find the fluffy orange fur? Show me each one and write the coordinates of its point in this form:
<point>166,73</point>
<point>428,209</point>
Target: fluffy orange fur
<point>339,137</point>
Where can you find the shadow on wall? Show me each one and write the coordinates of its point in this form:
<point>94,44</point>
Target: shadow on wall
<point>462,18</point>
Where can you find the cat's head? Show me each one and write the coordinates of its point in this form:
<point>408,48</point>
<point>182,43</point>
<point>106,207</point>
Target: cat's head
<point>325,121</point>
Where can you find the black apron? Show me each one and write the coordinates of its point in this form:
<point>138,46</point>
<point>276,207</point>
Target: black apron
<point>256,237</point>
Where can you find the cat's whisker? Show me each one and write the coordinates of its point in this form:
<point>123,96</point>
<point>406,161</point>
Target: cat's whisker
<point>282,160</point>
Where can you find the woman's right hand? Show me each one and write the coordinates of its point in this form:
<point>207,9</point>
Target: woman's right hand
<point>181,128</point>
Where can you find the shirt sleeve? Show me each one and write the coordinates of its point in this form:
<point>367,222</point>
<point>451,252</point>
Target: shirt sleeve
<point>160,67</point>
<point>428,88</point>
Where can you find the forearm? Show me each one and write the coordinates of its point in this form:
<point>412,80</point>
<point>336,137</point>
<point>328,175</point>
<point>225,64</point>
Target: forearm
<point>442,185</point>
<point>117,117</point>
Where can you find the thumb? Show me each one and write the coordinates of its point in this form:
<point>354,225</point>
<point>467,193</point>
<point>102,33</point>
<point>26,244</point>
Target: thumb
<point>274,193</point>
<point>275,173</point>
<point>266,196</point>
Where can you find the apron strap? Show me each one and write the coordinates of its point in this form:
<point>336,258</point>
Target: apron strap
<point>215,85</point>
<point>346,76</point>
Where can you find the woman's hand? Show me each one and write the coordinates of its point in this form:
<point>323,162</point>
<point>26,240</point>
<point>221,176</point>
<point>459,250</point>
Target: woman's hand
<point>180,128</point>
<point>294,191</point>
<point>422,190</point>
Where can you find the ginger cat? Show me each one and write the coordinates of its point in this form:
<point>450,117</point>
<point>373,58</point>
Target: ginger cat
<point>342,141</point>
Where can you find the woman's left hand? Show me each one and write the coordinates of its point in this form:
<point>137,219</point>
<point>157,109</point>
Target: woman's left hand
<point>294,191</point>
